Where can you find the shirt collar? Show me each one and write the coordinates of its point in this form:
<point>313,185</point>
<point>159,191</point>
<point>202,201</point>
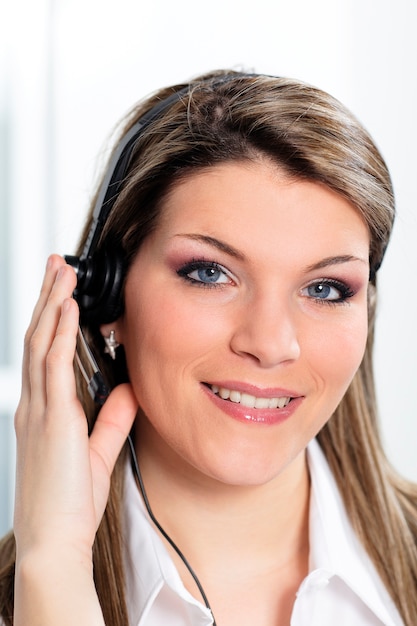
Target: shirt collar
<point>334,546</point>
<point>152,580</point>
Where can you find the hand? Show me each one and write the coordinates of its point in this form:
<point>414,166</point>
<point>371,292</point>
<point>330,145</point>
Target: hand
<point>63,476</point>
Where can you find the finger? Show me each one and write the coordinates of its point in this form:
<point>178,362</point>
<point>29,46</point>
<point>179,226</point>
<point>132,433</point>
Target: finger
<point>54,263</point>
<point>60,379</point>
<point>52,267</point>
<point>58,285</point>
<point>44,335</point>
<point>113,424</point>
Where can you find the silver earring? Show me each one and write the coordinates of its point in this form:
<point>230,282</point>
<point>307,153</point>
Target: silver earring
<point>111,345</point>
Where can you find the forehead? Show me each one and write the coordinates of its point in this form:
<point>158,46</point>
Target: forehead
<point>257,206</point>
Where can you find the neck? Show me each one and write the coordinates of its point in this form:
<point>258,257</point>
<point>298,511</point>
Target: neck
<point>208,519</point>
<point>248,545</point>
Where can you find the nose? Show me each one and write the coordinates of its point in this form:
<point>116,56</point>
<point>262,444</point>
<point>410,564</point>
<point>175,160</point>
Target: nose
<point>267,332</point>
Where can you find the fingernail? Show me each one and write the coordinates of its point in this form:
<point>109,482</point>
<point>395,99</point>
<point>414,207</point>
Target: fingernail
<point>66,305</point>
<point>60,272</point>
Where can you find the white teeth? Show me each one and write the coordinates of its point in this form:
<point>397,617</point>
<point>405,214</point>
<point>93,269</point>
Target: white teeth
<point>261,403</point>
<point>235,396</point>
<point>224,393</point>
<point>283,402</point>
<point>246,399</point>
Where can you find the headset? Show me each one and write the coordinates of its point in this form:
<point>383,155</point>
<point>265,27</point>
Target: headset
<point>100,274</point>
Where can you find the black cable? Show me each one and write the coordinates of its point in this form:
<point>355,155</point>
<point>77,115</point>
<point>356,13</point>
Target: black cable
<point>99,393</point>
<point>161,530</point>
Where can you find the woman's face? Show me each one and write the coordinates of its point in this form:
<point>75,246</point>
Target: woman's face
<point>245,320</point>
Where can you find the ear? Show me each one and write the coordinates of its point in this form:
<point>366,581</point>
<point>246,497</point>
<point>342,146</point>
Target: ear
<point>116,327</point>
<point>110,335</point>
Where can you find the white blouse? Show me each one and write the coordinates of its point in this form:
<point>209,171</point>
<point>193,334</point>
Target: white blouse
<point>342,586</point>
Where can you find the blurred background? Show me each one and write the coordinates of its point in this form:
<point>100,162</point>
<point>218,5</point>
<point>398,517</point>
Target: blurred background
<point>69,70</point>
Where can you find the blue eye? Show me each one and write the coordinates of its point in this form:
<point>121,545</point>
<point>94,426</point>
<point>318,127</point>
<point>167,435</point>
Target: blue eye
<point>207,275</point>
<point>328,291</point>
<point>204,273</point>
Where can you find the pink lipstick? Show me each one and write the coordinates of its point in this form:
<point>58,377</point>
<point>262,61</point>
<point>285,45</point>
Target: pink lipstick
<point>247,403</point>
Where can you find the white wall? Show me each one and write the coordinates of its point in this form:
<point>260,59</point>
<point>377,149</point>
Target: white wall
<point>77,67</point>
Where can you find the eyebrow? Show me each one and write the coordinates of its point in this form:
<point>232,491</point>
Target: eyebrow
<point>334,260</point>
<point>233,252</point>
<point>216,243</point>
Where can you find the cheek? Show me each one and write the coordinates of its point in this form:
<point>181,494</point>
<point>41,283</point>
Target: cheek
<point>339,352</point>
<point>170,332</point>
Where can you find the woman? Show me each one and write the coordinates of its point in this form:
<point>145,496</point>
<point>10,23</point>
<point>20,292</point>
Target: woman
<point>245,222</point>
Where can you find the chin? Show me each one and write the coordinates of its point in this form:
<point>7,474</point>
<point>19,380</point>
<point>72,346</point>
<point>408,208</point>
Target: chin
<point>246,471</point>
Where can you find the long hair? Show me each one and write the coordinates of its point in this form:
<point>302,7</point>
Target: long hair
<point>225,117</point>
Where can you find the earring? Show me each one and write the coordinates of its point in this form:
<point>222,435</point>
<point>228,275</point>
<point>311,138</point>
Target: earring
<point>111,345</point>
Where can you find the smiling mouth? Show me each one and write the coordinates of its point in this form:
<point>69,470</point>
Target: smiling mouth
<point>248,400</point>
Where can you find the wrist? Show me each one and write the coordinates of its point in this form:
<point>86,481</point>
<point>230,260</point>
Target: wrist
<point>56,586</point>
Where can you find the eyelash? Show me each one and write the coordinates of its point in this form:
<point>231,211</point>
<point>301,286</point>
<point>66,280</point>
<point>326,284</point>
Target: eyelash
<point>345,291</point>
<point>184,272</point>
<point>194,265</point>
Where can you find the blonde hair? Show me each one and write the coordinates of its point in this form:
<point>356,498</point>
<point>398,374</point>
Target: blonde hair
<point>229,116</point>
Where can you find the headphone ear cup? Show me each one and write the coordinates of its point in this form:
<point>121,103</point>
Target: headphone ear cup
<point>99,288</point>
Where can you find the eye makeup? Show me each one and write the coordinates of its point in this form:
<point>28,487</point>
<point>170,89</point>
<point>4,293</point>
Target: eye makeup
<point>194,260</point>
<point>329,291</point>
<point>205,273</point>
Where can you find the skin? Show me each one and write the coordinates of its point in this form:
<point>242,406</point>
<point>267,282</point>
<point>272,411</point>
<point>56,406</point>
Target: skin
<point>255,326</point>
<point>259,326</point>
<point>62,478</point>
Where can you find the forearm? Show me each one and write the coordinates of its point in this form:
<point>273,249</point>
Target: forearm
<point>56,588</point>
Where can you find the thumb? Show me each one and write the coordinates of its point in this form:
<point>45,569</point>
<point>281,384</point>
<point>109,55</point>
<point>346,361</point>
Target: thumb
<point>110,432</point>
<point>113,425</point>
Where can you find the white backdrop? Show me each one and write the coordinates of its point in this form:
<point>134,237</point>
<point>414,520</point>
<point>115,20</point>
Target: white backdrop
<point>70,70</point>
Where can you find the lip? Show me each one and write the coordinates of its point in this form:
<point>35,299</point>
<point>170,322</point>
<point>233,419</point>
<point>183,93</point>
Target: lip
<point>263,392</point>
<point>246,414</point>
